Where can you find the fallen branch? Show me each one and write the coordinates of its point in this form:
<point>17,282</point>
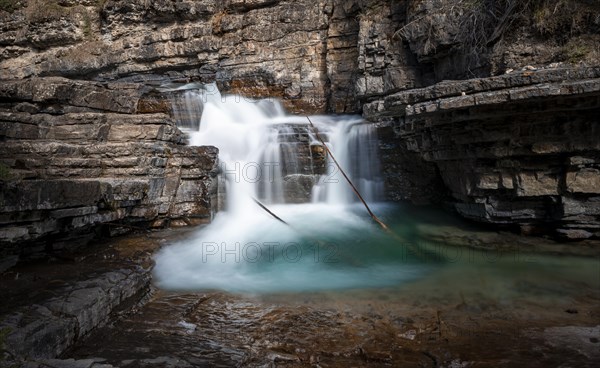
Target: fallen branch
<point>375,218</point>
<point>269,212</point>
<point>317,241</point>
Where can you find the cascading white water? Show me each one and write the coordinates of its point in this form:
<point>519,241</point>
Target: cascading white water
<point>270,188</point>
<point>187,110</point>
<point>354,145</point>
<point>260,147</point>
<point>277,158</point>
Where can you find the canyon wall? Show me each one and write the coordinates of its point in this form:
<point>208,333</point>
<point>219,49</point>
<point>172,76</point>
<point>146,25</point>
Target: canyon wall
<point>86,138</point>
<point>76,154</point>
<point>504,126</point>
<point>316,55</point>
<point>518,149</point>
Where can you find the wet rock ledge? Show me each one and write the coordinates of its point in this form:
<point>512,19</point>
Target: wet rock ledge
<point>78,154</point>
<point>518,149</point>
<point>46,330</point>
<point>50,306</point>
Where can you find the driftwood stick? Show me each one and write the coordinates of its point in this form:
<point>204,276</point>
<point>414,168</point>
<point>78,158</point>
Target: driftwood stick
<point>269,212</point>
<point>317,241</point>
<point>375,218</point>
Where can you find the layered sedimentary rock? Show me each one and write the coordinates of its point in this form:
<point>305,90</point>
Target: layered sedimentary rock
<point>518,149</point>
<point>75,154</point>
<point>260,48</point>
<point>325,55</point>
<point>47,329</point>
<point>515,149</point>
<point>317,56</point>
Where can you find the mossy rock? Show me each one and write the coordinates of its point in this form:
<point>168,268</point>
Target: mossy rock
<point>4,172</point>
<point>10,5</point>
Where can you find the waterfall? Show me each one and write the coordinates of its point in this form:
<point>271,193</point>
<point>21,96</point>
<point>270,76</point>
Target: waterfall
<point>279,159</point>
<point>354,144</point>
<point>187,110</point>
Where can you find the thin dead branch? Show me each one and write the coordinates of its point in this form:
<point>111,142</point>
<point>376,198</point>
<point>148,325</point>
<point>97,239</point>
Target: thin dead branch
<point>375,218</point>
<point>270,212</point>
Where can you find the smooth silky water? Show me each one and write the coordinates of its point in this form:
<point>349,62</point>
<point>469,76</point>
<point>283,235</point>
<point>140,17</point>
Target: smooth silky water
<point>331,244</point>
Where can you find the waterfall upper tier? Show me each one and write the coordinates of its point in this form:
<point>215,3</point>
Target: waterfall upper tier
<point>279,158</point>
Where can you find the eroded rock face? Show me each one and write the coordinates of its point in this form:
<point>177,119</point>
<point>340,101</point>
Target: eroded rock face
<point>76,154</point>
<point>258,48</point>
<point>521,149</point>
<point>337,56</point>
<point>325,55</point>
<point>318,56</point>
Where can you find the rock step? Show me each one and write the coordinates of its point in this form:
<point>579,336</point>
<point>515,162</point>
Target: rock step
<point>46,330</point>
<point>35,208</point>
<point>492,90</point>
<point>57,160</point>
<point>88,127</point>
<point>35,92</point>
<point>76,154</point>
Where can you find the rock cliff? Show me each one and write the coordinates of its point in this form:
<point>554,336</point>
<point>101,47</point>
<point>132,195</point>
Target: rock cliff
<point>80,120</point>
<point>518,149</point>
<point>317,55</point>
<point>518,144</point>
<point>76,154</point>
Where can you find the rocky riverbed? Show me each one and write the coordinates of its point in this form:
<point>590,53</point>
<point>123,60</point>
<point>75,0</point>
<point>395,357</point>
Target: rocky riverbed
<point>354,328</point>
<point>520,306</point>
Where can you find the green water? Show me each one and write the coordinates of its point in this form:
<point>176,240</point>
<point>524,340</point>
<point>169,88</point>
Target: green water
<point>333,248</point>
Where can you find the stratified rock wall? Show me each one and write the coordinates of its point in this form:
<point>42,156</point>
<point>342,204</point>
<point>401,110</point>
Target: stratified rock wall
<point>75,154</point>
<point>518,149</point>
<point>316,55</point>
<point>525,160</point>
<point>260,48</point>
